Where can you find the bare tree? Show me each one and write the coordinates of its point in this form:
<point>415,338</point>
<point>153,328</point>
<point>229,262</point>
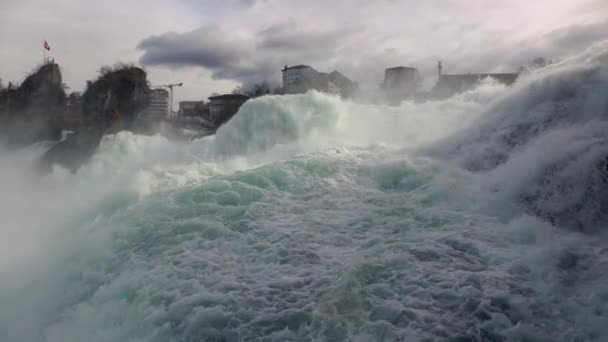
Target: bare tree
<point>238,90</point>
<point>536,63</point>
<point>540,62</point>
<point>256,90</point>
<point>106,69</point>
<point>260,89</point>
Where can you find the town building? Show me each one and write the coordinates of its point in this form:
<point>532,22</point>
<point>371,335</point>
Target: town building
<point>299,79</point>
<point>451,84</point>
<point>448,85</point>
<point>346,87</point>
<point>191,108</point>
<point>193,115</point>
<point>158,107</point>
<point>150,120</point>
<point>223,107</point>
<point>400,83</point>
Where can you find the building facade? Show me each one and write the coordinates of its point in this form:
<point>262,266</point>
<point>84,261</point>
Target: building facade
<point>301,78</point>
<point>150,119</point>
<point>223,107</point>
<point>400,83</point>
<point>343,85</point>
<point>158,107</point>
<point>191,108</point>
<point>451,84</point>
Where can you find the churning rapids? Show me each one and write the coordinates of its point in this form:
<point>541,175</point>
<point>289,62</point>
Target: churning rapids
<point>477,218</point>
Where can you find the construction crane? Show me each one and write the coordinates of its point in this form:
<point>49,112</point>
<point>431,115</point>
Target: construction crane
<point>170,87</point>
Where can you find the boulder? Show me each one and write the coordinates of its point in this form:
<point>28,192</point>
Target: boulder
<point>31,112</point>
<point>109,105</point>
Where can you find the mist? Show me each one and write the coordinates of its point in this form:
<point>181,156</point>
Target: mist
<point>473,215</point>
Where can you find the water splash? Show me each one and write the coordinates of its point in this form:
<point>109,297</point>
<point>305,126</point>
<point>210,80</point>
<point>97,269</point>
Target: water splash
<point>311,219</point>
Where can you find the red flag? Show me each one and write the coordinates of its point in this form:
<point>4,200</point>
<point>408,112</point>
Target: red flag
<point>46,46</point>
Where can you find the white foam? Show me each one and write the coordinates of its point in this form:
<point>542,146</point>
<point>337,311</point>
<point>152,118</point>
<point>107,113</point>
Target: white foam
<point>310,218</point>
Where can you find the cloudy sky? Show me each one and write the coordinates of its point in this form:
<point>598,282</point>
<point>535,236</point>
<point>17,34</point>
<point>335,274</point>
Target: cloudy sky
<point>213,45</point>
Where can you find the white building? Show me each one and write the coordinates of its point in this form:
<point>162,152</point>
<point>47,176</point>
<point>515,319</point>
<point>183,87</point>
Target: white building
<point>158,107</point>
<point>302,78</point>
<point>298,79</point>
<point>400,83</point>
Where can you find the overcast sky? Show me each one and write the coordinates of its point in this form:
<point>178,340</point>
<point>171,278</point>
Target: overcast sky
<point>213,45</point>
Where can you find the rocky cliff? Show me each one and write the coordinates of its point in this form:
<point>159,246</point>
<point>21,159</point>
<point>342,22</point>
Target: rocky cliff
<point>109,105</point>
<point>30,113</point>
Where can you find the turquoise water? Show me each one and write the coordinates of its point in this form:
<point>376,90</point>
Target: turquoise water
<point>312,219</point>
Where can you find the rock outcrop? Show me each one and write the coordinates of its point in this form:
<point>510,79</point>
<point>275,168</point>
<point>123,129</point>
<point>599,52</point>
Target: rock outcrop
<point>109,105</point>
<point>31,112</point>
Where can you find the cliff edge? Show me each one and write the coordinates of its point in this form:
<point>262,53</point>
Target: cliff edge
<point>30,113</point>
<point>109,105</point>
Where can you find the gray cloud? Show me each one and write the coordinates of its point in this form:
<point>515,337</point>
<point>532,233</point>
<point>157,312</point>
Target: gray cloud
<point>209,47</point>
<point>554,45</point>
<point>289,36</point>
<point>249,3</point>
<point>232,55</point>
<point>260,55</point>
<point>500,54</point>
<point>252,39</point>
<point>576,37</point>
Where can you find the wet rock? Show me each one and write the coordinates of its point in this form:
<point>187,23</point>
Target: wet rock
<point>31,112</point>
<point>109,105</point>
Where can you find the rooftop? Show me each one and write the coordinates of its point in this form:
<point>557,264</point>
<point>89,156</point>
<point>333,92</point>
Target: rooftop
<point>229,97</point>
<point>400,68</point>
<point>190,102</point>
<point>502,77</point>
<point>299,66</point>
<point>453,83</point>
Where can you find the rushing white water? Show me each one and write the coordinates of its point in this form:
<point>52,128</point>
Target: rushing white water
<point>311,219</point>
